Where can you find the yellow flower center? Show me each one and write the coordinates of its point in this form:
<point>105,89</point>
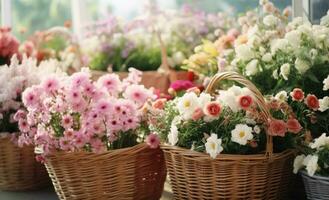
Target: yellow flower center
<point>213,145</point>
<point>187,103</point>
<point>242,134</point>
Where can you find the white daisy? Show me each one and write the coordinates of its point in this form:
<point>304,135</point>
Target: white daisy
<point>213,145</point>
<point>241,134</point>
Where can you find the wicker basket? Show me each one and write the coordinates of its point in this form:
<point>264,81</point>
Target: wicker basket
<point>317,187</point>
<point>195,175</point>
<point>131,173</point>
<point>18,169</point>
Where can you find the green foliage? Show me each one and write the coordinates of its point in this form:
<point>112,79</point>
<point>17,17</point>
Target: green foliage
<point>5,123</point>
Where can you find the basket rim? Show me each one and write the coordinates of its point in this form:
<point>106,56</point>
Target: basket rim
<point>202,155</point>
<point>134,149</point>
<point>304,173</point>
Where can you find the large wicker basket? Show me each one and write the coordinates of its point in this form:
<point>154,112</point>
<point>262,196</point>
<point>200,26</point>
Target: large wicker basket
<point>18,168</point>
<point>195,175</point>
<point>317,187</point>
<point>131,173</point>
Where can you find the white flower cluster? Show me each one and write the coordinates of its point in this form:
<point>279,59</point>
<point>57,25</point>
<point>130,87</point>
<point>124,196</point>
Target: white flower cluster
<point>193,107</point>
<point>310,162</point>
<point>18,76</point>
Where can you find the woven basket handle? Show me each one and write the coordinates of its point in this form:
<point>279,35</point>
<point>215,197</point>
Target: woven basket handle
<point>259,99</point>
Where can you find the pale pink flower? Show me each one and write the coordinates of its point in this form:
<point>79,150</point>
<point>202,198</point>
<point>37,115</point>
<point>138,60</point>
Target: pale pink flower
<point>79,106</point>
<point>138,94</point>
<point>97,146</point>
<point>111,82</point>
<point>74,95</point>
<point>20,114</point>
<point>30,97</point>
<point>50,84</point>
<point>67,121</point>
<point>79,140</point>
<point>65,143</point>
<point>153,141</point>
<point>104,106</point>
<point>23,125</point>
<point>80,79</point>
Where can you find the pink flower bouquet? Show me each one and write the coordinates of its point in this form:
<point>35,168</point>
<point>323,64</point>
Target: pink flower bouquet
<point>72,113</point>
<point>8,45</point>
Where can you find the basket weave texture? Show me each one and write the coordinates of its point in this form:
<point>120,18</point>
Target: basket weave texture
<point>131,173</point>
<point>317,187</point>
<point>19,170</point>
<point>195,175</point>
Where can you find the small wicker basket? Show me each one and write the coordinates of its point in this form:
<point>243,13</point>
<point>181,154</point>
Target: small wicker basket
<point>131,173</point>
<point>195,175</point>
<point>18,168</point>
<point>317,187</point>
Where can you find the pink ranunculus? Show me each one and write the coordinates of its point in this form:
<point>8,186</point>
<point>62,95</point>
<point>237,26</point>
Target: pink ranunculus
<point>197,114</point>
<point>294,126</point>
<point>277,128</point>
<point>212,109</point>
<point>153,141</point>
<point>245,101</point>
<point>312,102</point>
<point>297,94</point>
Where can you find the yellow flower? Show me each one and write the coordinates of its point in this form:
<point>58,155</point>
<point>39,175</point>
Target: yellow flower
<point>210,48</point>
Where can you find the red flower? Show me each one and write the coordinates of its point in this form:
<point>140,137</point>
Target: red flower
<point>277,128</point>
<point>312,102</point>
<point>294,126</point>
<point>297,94</point>
<point>159,103</point>
<point>212,109</point>
<point>245,101</point>
<point>190,76</point>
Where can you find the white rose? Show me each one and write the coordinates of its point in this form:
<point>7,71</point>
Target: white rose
<point>324,104</point>
<point>252,67</point>
<point>298,163</point>
<point>267,57</point>
<point>311,163</point>
<point>281,96</point>
<point>293,38</point>
<point>244,52</point>
<point>285,71</point>
<point>326,84</point>
<point>320,141</point>
<point>270,20</point>
<point>279,44</point>
<point>301,65</point>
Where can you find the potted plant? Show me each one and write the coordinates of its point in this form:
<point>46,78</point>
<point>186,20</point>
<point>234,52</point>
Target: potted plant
<point>90,136</point>
<point>18,167</point>
<point>226,142</point>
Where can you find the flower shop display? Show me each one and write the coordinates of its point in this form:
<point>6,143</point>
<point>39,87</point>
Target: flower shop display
<point>90,136</point>
<point>313,165</point>
<point>18,168</point>
<point>8,45</point>
<point>225,143</point>
<point>54,43</point>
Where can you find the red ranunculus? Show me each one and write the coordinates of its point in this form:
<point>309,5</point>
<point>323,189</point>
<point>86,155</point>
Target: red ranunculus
<point>277,128</point>
<point>212,109</point>
<point>245,101</point>
<point>297,94</point>
<point>294,126</point>
<point>312,102</point>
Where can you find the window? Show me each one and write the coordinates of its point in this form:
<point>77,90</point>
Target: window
<point>29,16</point>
